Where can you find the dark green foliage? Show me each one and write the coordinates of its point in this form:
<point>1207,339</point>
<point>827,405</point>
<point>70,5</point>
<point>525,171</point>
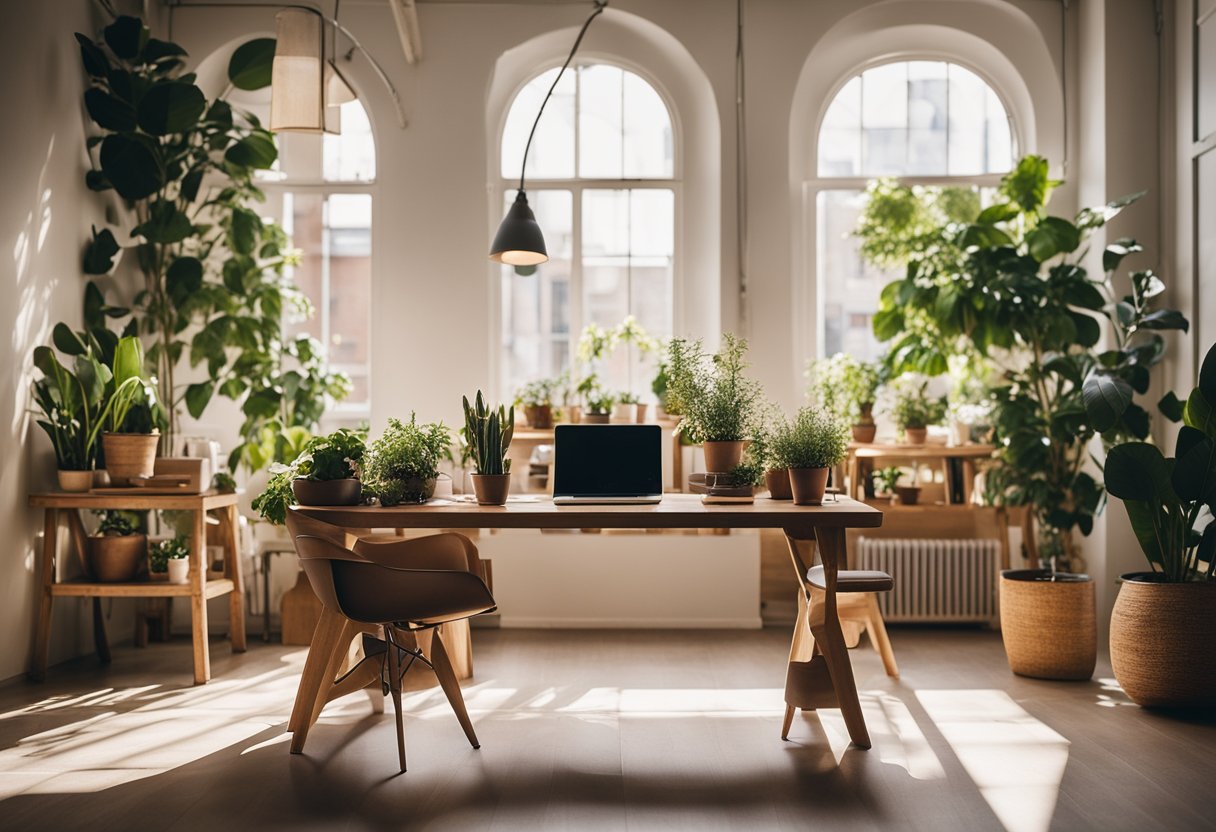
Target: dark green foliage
<point>489,435</point>
<point>340,455</point>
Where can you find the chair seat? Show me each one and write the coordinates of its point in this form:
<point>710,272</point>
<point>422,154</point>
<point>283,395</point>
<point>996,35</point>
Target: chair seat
<point>852,580</point>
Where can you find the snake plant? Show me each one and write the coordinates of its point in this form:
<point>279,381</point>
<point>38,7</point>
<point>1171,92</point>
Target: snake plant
<point>489,435</point>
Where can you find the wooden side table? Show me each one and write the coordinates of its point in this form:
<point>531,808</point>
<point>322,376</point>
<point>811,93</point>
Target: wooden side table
<point>204,583</point>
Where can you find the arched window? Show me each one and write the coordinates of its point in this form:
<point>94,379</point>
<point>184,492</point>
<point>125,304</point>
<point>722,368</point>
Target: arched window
<point>925,122</point>
<point>603,180</point>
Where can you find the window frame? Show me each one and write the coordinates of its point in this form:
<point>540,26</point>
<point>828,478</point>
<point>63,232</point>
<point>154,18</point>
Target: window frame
<point>504,185</point>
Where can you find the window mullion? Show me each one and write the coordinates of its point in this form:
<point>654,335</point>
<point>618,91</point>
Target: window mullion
<point>576,274</point>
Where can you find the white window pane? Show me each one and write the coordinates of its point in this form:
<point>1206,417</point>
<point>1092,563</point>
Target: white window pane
<point>536,307</point>
<point>885,152</point>
<point>968,108</point>
<point>552,153</point>
<point>1000,143</point>
<point>884,96</point>
<point>651,222</point>
<point>845,110</point>
<point>840,151</point>
<point>648,136</point>
<point>350,156</point>
<point>605,223</point>
<point>601,93</point>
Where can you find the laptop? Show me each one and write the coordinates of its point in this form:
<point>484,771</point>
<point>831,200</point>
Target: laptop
<point>607,464</point>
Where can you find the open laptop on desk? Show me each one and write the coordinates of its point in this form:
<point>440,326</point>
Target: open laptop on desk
<point>607,464</point>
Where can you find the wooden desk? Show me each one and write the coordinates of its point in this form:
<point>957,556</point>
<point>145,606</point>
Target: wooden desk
<point>818,675</point>
<point>203,584</point>
<point>858,473</point>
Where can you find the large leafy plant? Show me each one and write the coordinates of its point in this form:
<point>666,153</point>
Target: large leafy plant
<point>338,456</point>
<point>404,459</point>
<point>1171,501</point>
<point>715,399</point>
<point>1011,287</point>
<point>214,290</point>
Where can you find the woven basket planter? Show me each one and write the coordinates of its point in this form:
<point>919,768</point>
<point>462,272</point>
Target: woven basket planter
<point>130,456</point>
<point>1161,642</point>
<point>1048,627</point>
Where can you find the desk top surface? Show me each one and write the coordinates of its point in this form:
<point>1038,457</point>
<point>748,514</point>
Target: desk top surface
<point>926,451</point>
<point>676,511</point>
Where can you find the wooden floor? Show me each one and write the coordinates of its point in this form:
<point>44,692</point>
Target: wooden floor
<point>601,730</point>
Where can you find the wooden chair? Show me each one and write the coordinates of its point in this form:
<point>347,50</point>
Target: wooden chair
<point>391,590</point>
<point>809,684</point>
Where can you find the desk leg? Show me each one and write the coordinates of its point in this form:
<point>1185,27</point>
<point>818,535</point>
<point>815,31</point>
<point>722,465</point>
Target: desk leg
<point>42,626</point>
<point>76,528</point>
<point>230,521</point>
<point>198,598</point>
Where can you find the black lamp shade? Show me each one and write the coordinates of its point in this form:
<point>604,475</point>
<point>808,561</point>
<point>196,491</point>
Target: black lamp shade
<point>519,241</point>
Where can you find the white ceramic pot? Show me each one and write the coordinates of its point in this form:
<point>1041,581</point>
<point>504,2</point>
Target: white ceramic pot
<point>179,570</point>
<point>622,412</point>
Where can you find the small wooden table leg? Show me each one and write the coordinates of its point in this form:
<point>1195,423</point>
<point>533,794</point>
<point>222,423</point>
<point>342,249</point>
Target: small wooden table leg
<point>42,626</point>
<point>232,570</point>
<point>100,641</point>
<point>198,598</point>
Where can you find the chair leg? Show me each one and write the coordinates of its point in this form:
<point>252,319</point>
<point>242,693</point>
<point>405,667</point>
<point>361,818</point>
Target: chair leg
<point>787,722</point>
<point>394,686</point>
<point>451,687</point>
<point>878,637</point>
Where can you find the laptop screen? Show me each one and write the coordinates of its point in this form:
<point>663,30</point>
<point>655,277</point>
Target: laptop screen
<point>607,461</point>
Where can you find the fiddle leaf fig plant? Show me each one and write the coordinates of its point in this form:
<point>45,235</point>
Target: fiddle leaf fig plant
<point>214,290</point>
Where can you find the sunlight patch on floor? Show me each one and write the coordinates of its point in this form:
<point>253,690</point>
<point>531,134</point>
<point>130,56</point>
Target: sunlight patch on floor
<point>1016,761</point>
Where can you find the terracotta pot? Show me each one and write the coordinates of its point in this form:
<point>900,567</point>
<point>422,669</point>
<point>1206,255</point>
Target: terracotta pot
<point>723,457</point>
<point>491,489</point>
<point>625,412</point>
<point>179,570</point>
<point>344,492</point>
<point>778,482</point>
<point>909,495</point>
<point>915,436</point>
<point>129,455</point>
<point>75,481</point>
<point>1161,642</point>
<point>1048,627</point>
<point>642,408</point>
<point>595,418</point>
<point>539,416</point>
<point>864,434</point>
<point>116,558</point>
<point>808,485</point>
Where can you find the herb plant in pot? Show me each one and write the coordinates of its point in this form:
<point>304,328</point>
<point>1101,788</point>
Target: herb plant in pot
<point>489,434</point>
<point>536,399</point>
<point>848,388</point>
<point>886,481</point>
<point>599,408</point>
<point>1162,623</point>
<point>809,446</point>
<point>326,473</point>
<point>717,403</point>
<point>403,463</point>
<point>115,553</point>
<point>914,410</point>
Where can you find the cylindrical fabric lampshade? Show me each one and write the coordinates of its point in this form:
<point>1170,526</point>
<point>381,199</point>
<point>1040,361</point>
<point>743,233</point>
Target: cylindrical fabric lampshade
<point>297,89</point>
<point>337,90</point>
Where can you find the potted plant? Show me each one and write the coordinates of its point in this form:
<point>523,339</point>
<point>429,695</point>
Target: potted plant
<point>72,403</point>
<point>658,386</point>
<point>717,403</point>
<point>118,548</point>
<point>169,559</point>
<point>1162,623</point>
<point>325,473</point>
<point>886,481</point>
<point>489,432</point>
<point>130,434</point>
<point>536,399</point>
<point>599,407</point>
<point>403,463</point>
<point>625,407</point>
<point>847,387</point>
<point>809,446</point>
<point>914,410</point>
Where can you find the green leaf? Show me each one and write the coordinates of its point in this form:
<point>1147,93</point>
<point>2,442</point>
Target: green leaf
<point>984,236</point>
<point>67,341</point>
<point>1198,413</point>
<point>1116,251</point>
<point>1192,477</point>
<point>97,181</point>
<point>126,36</point>
<point>1106,397</point>
<point>165,224</point>
<point>99,254</point>
<point>198,396</point>
<point>254,151</point>
<point>155,51</point>
<point>133,165</point>
<point>95,61</point>
<point>128,360</point>
<point>1136,471</point>
<point>1170,407</point>
<point>1028,184</point>
<point>243,234</point>
<point>1137,421</point>
<point>220,111</point>
<point>1141,516</point>
<point>1000,212</point>
<point>171,107</point>
<point>1089,332</point>
<point>1207,375</point>
<point>183,278</point>
<point>109,112</point>
<point>249,68</point>
<point>1084,295</point>
<point>262,403</point>
<point>1146,285</point>
<point>1052,236</point>
<point>1165,319</point>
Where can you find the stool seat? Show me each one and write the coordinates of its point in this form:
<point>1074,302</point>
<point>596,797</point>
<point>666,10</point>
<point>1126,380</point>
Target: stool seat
<point>852,580</point>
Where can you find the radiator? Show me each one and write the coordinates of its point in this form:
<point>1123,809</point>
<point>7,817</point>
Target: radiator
<point>935,580</point>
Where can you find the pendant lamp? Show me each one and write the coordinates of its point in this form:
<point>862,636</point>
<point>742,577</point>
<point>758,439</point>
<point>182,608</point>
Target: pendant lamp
<point>519,241</point>
<point>297,88</point>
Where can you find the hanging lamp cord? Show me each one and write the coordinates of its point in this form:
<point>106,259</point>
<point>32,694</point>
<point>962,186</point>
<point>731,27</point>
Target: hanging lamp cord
<point>600,5</point>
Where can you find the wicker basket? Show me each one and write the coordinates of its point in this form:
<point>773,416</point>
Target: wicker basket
<point>130,456</point>
<point>1161,642</point>
<point>1049,627</point>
